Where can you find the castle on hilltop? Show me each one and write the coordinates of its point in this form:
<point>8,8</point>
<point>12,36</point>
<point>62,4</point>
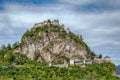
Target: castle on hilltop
<point>49,23</point>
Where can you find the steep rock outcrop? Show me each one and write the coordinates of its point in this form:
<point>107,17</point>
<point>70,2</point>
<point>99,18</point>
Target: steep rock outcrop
<point>50,42</point>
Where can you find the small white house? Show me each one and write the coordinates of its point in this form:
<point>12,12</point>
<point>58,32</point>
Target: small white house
<point>71,61</point>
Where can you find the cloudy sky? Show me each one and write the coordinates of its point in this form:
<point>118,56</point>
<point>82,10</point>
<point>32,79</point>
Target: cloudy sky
<point>98,21</point>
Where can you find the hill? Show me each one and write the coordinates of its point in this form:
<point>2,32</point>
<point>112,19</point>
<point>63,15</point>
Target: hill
<point>118,69</point>
<point>50,42</point>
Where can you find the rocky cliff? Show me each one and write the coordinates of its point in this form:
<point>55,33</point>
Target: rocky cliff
<point>49,41</point>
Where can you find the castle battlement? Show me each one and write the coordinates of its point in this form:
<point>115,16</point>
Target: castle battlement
<point>48,23</point>
<point>68,30</point>
<point>38,25</point>
<point>55,22</point>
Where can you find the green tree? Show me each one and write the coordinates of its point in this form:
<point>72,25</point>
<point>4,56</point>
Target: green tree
<point>100,55</point>
<point>10,57</point>
<point>92,54</point>
<point>9,46</point>
<point>3,47</point>
<point>16,44</point>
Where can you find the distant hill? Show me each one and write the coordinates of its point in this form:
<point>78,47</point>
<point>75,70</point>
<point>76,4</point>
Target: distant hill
<point>118,69</point>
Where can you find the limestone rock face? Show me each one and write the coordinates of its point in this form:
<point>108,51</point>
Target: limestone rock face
<point>50,44</point>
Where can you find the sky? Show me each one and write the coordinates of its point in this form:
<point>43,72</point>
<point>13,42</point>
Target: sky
<point>98,21</point>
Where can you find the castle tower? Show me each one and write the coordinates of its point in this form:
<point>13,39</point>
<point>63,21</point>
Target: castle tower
<point>107,59</point>
<point>62,27</point>
<point>55,23</point>
<point>68,30</point>
<point>37,25</point>
<point>48,22</point>
<point>45,23</point>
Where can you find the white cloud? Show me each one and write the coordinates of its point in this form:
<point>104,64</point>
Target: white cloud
<point>110,3</point>
<point>77,2</point>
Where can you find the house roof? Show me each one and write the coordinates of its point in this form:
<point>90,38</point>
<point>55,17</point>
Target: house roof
<point>97,56</point>
<point>106,57</point>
